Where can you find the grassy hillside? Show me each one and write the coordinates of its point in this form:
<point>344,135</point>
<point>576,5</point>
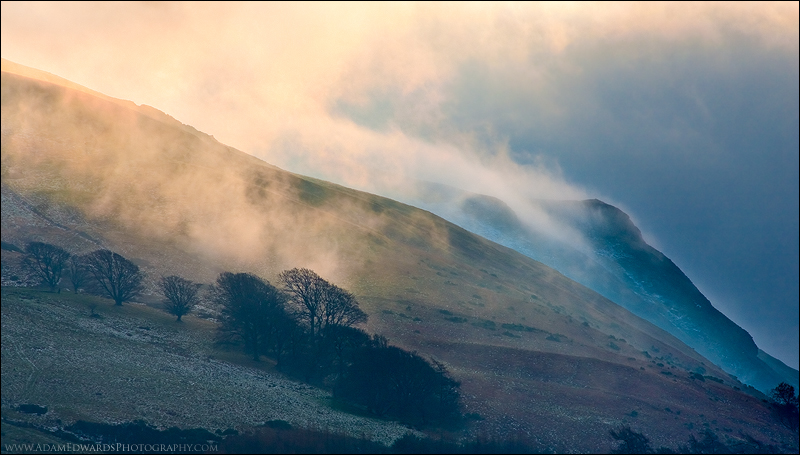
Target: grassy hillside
<point>537,354</point>
<point>135,362</point>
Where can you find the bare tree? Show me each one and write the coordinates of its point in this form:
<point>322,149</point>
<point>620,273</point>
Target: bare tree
<point>181,294</point>
<point>319,302</point>
<point>46,261</point>
<point>118,277</point>
<point>340,308</point>
<point>306,290</point>
<point>78,274</point>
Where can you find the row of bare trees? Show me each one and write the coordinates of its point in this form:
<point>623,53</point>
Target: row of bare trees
<point>317,302</point>
<point>106,273</point>
<point>102,270</point>
<point>307,325</point>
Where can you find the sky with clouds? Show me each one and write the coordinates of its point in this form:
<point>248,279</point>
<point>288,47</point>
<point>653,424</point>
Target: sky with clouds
<point>683,115</point>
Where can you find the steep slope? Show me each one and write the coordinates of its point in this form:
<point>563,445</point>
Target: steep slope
<point>670,299</point>
<point>613,259</point>
<point>532,348</point>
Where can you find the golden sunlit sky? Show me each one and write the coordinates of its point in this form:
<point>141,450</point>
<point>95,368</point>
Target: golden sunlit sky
<point>683,114</point>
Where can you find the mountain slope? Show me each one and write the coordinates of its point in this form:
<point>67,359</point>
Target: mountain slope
<point>613,259</point>
<point>536,352</point>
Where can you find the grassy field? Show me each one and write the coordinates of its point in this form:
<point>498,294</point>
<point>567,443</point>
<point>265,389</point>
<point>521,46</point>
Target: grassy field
<point>135,362</point>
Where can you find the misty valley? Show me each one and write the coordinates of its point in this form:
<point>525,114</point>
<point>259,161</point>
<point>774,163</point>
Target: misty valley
<point>164,292</point>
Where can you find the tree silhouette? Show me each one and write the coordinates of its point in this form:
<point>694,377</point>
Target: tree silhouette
<point>783,394</point>
<point>119,278</point>
<point>320,303</point>
<point>632,441</point>
<point>344,343</point>
<point>787,403</point>
<point>322,307</point>
<point>252,311</point>
<point>306,290</point>
<point>78,274</point>
<point>340,308</point>
<point>46,261</point>
<point>181,295</point>
<point>286,335</point>
<point>389,381</point>
<point>708,443</point>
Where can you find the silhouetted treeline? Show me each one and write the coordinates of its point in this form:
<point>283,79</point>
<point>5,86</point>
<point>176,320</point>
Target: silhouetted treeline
<point>283,439</point>
<point>629,441</point>
<point>307,327</point>
<point>275,436</point>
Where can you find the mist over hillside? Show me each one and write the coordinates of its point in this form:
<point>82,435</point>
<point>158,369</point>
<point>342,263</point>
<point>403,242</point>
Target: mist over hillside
<point>537,354</point>
<point>600,247</point>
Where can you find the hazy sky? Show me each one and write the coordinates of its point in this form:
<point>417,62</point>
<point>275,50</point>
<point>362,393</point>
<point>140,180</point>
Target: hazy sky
<point>683,115</point>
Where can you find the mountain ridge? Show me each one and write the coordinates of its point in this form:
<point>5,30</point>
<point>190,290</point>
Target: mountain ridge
<point>614,259</point>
